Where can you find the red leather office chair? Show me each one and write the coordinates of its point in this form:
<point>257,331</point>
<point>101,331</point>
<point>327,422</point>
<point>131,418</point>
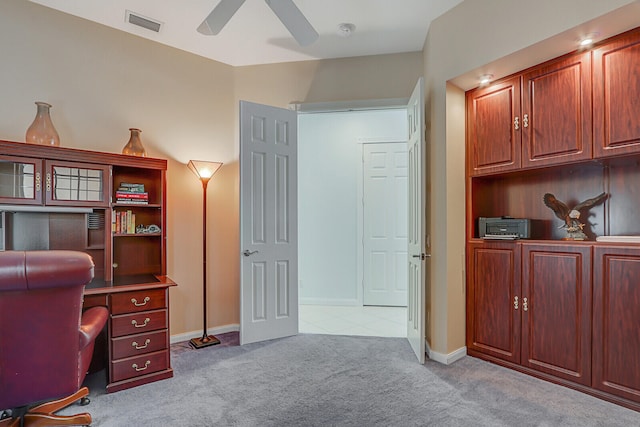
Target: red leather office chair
<point>46,342</point>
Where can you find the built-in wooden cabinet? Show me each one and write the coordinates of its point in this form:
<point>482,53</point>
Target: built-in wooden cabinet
<point>616,104</point>
<point>493,299</point>
<point>61,198</point>
<point>616,313</point>
<point>493,127</point>
<point>530,304</point>
<point>566,311</point>
<point>555,304</point>
<point>556,112</point>
<point>540,117</point>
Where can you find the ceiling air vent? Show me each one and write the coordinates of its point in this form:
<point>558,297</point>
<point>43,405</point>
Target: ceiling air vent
<point>142,21</point>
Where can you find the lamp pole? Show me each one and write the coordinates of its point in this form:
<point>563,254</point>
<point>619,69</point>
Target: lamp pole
<point>204,171</point>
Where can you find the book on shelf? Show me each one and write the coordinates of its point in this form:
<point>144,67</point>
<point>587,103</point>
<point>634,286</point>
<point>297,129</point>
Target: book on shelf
<point>135,195</point>
<point>131,187</point>
<point>123,222</point>
<point>132,202</point>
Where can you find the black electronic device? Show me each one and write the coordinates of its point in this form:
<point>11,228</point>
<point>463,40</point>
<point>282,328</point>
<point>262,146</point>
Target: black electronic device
<point>504,228</point>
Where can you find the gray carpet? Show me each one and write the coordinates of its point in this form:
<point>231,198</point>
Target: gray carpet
<point>323,380</point>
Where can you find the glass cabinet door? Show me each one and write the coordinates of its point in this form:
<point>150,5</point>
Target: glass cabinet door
<point>76,184</point>
<point>20,180</point>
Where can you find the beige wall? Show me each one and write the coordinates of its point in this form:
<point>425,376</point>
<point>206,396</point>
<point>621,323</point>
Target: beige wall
<point>102,81</point>
<point>501,37</point>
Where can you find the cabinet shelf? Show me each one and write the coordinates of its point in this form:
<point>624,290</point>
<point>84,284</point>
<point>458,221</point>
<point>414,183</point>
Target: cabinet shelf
<point>136,206</point>
<point>137,234</point>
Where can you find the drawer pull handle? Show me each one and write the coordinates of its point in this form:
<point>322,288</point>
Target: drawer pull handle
<point>135,323</point>
<point>140,347</point>
<point>144,302</point>
<point>146,365</point>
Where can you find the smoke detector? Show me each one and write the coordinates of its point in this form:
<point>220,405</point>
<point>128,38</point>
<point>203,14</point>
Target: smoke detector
<point>346,29</point>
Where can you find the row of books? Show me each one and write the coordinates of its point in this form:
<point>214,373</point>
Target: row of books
<point>132,193</point>
<point>123,222</point>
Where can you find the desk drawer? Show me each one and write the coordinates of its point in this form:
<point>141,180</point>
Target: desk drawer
<point>134,345</point>
<point>140,365</point>
<point>136,323</point>
<point>132,302</point>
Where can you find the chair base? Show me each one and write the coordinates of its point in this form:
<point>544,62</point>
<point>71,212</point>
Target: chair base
<point>43,415</point>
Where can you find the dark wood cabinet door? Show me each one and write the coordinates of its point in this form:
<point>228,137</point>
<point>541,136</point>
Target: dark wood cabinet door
<point>76,184</point>
<point>556,310</point>
<point>20,180</point>
<point>616,96</point>
<point>493,137</point>
<point>616,321</point>
<point>493,286</point>
<point>556,112</point>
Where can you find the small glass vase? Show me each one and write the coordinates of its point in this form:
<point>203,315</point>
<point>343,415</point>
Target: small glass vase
<point>134,147</point>
<point>42,130</point>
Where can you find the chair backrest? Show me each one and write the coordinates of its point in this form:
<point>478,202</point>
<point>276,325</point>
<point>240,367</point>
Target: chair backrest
<point>41,296</point>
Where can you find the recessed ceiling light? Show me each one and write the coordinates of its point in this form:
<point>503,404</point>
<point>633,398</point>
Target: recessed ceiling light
<point>588,39</point>
<point>485,78</point>
<point>346,29</point>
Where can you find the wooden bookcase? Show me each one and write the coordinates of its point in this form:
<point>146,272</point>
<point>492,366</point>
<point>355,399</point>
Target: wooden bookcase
<point>565,311</point>
<point>62,198</point>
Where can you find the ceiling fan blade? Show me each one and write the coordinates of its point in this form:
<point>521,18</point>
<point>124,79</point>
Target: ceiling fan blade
<point>294,20</point>
<point>219,17</point>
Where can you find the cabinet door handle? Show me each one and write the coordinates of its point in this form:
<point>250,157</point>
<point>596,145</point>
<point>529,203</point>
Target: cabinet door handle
<point>146,365</point>
<point>516,123</point>
<point>515,303</point>
<point>525,304</point>
<point>38,181</point>
<point>140,347</point>
<point>135,323</point>
<point>48,182</point>
<point>525,121</point>
<point>144,302</point>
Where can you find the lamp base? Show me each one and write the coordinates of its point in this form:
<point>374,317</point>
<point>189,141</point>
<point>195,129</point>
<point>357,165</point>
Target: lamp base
<point>204,341</point>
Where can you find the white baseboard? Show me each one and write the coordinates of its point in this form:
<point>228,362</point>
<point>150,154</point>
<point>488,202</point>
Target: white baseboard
<point>446,359</point>
<point>329,301</point>
<point>234,327</point>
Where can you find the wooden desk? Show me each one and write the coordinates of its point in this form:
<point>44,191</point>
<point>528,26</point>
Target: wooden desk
<point>136,347</point>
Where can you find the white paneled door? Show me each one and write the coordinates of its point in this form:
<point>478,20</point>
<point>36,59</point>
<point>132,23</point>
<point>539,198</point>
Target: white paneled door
<point>269,227</point>
<point>384,224</point>
<point>416,235</point>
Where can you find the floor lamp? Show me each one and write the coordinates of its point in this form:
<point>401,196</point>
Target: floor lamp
<point>204,171</point>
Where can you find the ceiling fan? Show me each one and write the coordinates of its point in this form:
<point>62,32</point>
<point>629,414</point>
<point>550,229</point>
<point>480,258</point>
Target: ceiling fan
<point>285,10</point>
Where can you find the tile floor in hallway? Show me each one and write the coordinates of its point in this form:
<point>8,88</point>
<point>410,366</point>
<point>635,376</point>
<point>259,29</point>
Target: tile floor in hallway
<point>353,320</point>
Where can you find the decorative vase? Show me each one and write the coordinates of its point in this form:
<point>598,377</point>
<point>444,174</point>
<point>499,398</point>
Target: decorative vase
<point>134,147</point>
<point>42,130</point>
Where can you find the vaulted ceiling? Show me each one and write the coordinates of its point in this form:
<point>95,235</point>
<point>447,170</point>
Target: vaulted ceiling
<point>255,35</point>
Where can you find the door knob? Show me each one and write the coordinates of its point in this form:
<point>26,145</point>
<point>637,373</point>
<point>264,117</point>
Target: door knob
<point>422,256</point>
<point>247,252</point>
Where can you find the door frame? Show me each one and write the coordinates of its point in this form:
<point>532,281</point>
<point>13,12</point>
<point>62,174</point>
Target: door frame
<point>360,210</point>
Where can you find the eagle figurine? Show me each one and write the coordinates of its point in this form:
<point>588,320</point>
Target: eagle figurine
<point>571,216</point>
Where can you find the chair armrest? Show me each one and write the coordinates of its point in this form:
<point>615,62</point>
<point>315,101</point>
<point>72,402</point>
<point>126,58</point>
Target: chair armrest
<point>92,322</point>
